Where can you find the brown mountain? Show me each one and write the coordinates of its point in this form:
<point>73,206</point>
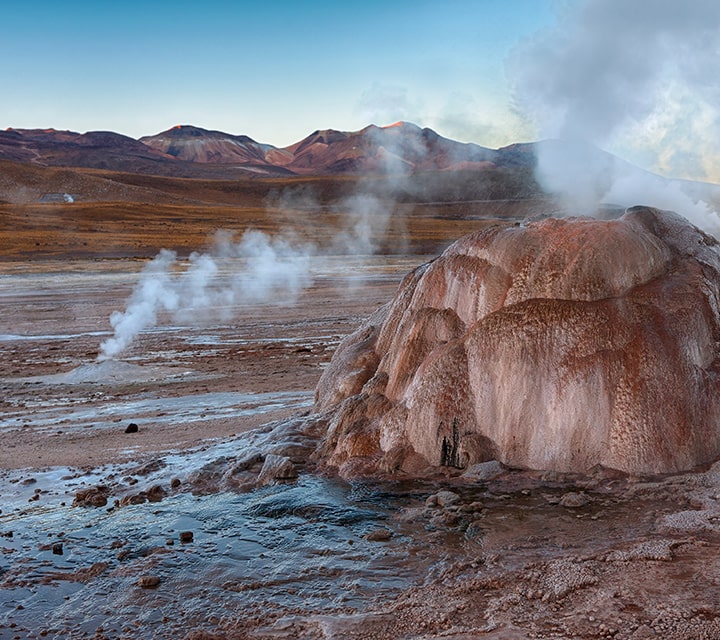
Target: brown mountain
<point>95,149</point>
<point>113,152</point>
<point>399,148</point>
<point>194,144</point>
<point>192,152</point>
<point>187,151</point>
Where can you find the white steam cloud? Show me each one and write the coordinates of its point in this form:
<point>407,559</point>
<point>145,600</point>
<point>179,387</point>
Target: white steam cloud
<point>639,77</point>
<point>258,268</point>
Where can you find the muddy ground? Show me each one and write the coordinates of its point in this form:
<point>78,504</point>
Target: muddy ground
<point>503,554</point>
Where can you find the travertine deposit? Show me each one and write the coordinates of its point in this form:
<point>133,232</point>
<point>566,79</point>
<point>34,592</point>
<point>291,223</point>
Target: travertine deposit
<point>560,344</point>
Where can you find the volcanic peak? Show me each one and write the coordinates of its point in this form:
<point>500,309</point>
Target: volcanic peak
<point>195,144</point>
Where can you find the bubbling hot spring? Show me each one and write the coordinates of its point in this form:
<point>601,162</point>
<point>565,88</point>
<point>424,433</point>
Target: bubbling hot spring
<point>559,344</point>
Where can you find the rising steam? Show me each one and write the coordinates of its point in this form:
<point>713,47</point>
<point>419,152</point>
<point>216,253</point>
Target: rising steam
<point>257,268</point>
<point>635,76</point>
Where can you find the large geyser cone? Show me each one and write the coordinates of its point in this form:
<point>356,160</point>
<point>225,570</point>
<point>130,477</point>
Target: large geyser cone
<point>560,345</point>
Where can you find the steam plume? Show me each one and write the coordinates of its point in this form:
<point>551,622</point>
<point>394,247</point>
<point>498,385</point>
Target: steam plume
<point>636,76</point>
<point>257,268</point>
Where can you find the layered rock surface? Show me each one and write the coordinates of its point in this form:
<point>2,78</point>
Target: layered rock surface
<point>561,344</point>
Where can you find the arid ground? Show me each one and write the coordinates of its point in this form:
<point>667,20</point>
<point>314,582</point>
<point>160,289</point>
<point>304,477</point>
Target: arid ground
<point>506,554</point>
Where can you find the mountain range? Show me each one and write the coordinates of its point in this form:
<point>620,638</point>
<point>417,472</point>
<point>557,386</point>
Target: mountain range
<point>193,152</point>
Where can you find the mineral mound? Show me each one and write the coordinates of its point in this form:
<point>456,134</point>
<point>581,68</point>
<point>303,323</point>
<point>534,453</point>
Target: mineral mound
<point>561,344</point>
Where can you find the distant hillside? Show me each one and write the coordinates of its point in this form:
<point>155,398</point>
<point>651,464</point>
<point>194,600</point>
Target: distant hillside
<point>192,152</point>
<point>113,152</point>
<point>194,144</point>
<point>398,148</point>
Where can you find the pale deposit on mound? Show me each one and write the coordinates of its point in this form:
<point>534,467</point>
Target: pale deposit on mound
<point>561,344</point>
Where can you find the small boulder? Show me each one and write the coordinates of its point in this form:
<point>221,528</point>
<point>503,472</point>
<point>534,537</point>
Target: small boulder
<point>276,469</point>
<point>149,582</point>
<point>131,428</point>
<point>92,497</point>
<point>379,535</point>
<point>573,500</point>
<point>484,471</point>
<point>156,493</point>
<point>443,499</point>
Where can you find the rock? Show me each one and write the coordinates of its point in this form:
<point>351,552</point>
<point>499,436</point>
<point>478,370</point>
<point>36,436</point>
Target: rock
<point>156,493</point>
<point>572,500</point>
<point>275,469</point>
<point>379,535</point>
<point>92,497</point>
<point>133,498</point>
<point>131,428</point>
<point>484,471</point>
<point>542,346</point>
<point>444,499</point>
<point>149,582</point>
<point>186,537</point>
<point>57,548</point>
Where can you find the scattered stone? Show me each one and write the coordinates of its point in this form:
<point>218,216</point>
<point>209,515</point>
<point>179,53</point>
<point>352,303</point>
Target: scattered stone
<point>170,542</point>
<point>156,493</point>
<point>379,535</point>
<point>446,520</point>
<point>131,428</point>
<point>443,499</point>
<point>175,483</point>
<point>276,469</point>
<point>92,497</point>
<point>473,507</point>
<point>573,500</point>
<point>186,536</point>
<point>57,548</point>
<point>134,498</point>
<point>149,582</point>
<point>484,471</point>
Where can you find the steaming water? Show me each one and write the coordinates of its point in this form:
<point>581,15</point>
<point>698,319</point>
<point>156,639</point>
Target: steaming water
<point>284,550</point>
<point>272,550</point>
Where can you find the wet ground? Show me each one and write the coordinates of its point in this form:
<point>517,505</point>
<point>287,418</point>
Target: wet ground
<point>502,554</point>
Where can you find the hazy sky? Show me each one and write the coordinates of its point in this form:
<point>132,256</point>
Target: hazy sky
<point>274,70</point>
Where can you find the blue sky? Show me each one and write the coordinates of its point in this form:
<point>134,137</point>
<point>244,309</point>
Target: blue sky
<point>275,70</point>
